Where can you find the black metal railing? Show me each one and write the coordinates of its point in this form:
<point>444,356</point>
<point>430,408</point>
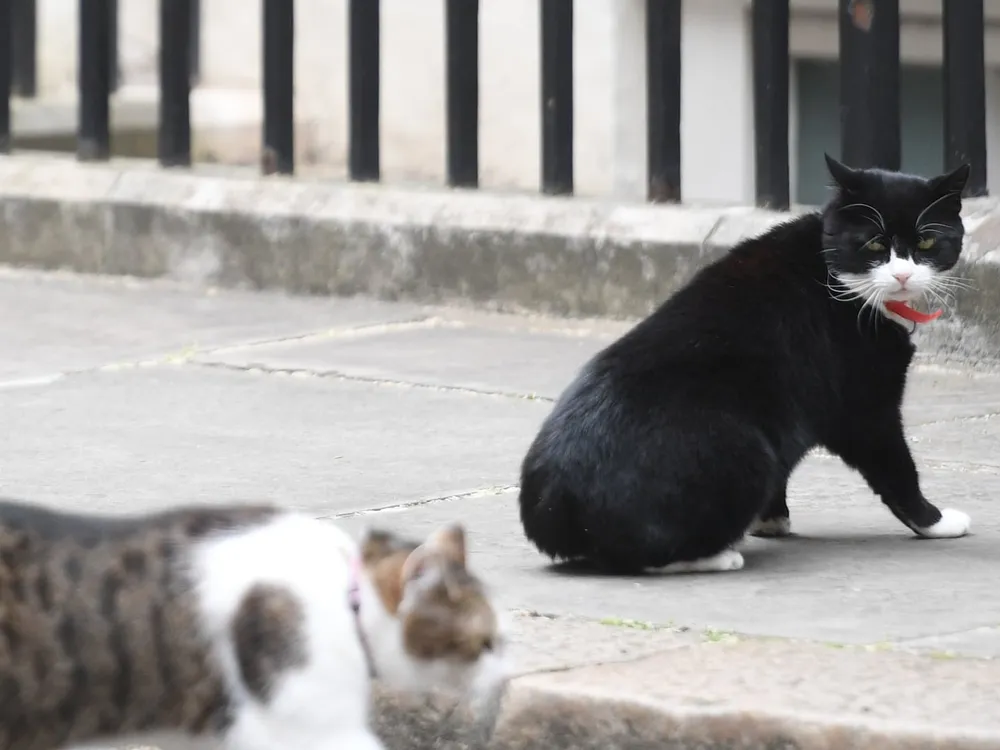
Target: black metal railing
<point>22,19</point>
<point>363,89</point>
<point>462,92</point>
<point>174,133</point>
<point>870,124</point>
<point>663,94</point>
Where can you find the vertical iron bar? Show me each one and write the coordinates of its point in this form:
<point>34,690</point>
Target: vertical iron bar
<point>557,96</point>
<point>279,87</point>
<point>6,72</point>
<point>770,102</point>
<point>114,70</point>
<point>174,137</point>
<point>462,45</point>
<point>194,46</point>
<point>965,91</point>
<point>24,25</point>
<point>364,92</point>
<point>663,97</point>
<point>93,134</point>
<point>869,83</point>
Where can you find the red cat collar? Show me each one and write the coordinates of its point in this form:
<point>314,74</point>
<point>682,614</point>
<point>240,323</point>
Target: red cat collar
<point>906,312</point>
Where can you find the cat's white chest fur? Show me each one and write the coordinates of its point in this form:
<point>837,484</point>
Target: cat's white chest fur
<point>328,697</point>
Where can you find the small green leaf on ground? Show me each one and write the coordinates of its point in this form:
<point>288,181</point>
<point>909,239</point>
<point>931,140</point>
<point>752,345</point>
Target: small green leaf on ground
<point>618,622</point>
<point>719,636</point>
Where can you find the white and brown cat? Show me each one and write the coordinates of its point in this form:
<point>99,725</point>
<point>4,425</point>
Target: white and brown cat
<point>250,626</point>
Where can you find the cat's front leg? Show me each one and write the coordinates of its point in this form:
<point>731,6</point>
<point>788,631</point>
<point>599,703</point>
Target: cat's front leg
<point>879,451</point>
<point>774,520</point>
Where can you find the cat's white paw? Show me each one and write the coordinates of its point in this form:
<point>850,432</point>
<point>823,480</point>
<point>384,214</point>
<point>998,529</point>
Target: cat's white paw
<point>953,524</point>
<point>728,559</point>
<point>772,527</point>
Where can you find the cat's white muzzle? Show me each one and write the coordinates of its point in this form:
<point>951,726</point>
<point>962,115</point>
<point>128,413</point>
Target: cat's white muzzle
<point>901,279</point>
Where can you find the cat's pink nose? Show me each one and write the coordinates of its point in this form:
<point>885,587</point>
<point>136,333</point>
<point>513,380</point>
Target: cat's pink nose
<point>902,277</point>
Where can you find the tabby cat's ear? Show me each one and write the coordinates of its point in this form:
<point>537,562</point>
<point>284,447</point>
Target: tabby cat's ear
<point>846,178</point>
<point>444,545</point>
<point>449,542</point>
<point>953,182</point>
<point>377,544</point>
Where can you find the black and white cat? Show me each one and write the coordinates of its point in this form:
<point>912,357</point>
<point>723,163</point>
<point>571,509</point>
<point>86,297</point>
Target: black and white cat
<point>679,438</point>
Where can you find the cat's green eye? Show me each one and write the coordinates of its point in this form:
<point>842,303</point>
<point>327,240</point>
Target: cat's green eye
<point>875,246</point>
<point>925,243</point>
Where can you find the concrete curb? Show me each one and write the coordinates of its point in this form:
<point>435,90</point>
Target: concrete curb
<point>876,701</point>
<point>568,256</point>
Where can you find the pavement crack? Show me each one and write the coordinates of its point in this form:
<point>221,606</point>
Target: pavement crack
<point>191,352</point>
<point>341,332</point>
<point>961,420</point>
<point>302,372</point>
<point>957,466</point>
<point>399,507</point>
<point>920,641</point>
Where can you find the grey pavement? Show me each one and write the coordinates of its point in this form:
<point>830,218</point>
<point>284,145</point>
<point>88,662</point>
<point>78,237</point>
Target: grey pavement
<point>122,395</point>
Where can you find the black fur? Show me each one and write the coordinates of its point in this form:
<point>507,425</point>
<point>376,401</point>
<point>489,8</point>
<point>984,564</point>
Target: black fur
<point>672,440</point>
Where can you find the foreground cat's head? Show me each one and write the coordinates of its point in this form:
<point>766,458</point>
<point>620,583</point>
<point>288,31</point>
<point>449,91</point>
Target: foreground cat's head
<point>444,621</point>
<point>889,236</point>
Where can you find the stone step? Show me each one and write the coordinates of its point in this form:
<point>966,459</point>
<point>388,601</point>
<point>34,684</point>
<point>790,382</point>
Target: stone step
<point>593,686</point>
<point>516,252</point>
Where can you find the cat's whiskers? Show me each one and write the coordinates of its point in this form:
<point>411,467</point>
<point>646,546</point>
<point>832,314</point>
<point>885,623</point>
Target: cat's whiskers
<point>931,205</point>
<point>941,298</point>
<point>943,289</point>
<point>844,293</point>
<point>929,226</point>
<point>878,221</point>
<point>847,289</point>
<point>954,282</point>
<point>876,302</point>
<point>863,289</point>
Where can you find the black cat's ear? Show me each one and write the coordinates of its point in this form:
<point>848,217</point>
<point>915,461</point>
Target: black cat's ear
<point>953,182</point>
<point>848,179</point>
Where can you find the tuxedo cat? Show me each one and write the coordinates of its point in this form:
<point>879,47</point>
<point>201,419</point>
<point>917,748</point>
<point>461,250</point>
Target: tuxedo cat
<point>679,438</point>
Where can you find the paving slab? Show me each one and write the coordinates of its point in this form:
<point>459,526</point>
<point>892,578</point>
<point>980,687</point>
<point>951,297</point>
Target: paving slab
<point>147,437</point>
<point>64,322</point>
<point>974,442</point>
<point>938,394</point>
<point>481,359</point>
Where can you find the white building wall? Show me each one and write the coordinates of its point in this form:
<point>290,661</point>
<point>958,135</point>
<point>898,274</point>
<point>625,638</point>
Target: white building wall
<point>610,148</point>
<point>716,103</point>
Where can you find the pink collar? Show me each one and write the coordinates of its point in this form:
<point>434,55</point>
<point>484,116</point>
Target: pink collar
<point>354,601</point>
<point>354,586</point>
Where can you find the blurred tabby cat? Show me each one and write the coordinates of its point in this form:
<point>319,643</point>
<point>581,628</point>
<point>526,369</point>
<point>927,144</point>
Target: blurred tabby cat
<point>250,625</point>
